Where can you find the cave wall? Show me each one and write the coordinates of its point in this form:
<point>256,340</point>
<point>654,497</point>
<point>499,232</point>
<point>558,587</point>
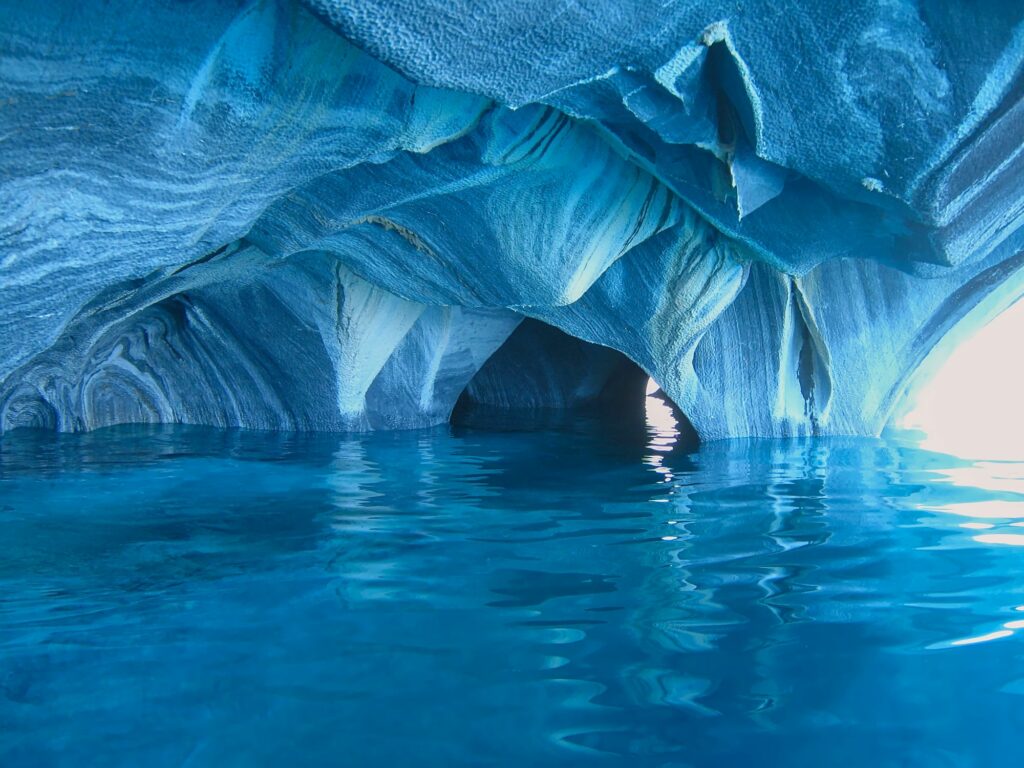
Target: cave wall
<point>330,215</point>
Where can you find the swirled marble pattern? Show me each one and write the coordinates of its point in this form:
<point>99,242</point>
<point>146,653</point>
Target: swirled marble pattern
<point>336,215</point>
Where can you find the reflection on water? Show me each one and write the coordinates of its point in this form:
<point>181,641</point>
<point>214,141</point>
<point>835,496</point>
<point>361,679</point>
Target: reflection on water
<point>585,593</point>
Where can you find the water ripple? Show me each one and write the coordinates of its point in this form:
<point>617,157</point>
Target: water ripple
<point>453,597</point>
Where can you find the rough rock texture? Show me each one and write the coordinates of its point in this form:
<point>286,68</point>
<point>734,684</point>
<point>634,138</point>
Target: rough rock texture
<point>331,215</point>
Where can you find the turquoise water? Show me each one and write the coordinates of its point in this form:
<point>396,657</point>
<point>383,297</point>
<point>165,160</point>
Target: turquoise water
<point>578,594</point>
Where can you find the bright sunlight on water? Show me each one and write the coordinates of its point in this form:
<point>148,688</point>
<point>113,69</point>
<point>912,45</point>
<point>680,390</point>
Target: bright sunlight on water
<point>576,594</point>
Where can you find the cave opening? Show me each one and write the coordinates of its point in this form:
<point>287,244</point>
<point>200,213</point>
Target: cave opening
<point>966,401</point>
<point>542,377</point>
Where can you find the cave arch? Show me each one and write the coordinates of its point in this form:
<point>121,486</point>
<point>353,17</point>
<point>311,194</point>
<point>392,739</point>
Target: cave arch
<point>543,373</point>
<point>541,367</point>
<point>941,340</point>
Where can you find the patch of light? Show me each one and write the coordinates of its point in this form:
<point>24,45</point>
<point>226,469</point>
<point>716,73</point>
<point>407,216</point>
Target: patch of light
<point>973,405</point>
<point>998,634</point>
<point>662,431</point>
<point>995,508</point>
<point>661,421</point>
<point>1005,481</point>
<point>1000,476</point>
<point>1013,539</point>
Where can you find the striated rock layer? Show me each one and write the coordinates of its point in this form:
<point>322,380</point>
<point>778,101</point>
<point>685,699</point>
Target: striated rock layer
<point>348,215</point>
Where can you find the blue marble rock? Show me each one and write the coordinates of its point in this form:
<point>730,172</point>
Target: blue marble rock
<point>338,215</point>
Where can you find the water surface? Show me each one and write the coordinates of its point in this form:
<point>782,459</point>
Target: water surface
<point>575,594</point>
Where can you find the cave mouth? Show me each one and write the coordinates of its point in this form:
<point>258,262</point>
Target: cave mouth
<point>968,402</point>
<point>544,378</point>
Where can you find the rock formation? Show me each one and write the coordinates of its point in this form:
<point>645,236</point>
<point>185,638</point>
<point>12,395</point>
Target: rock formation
<point>333,215</point>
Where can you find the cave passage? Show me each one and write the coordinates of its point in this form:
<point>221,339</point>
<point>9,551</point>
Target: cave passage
<point>543,377</point>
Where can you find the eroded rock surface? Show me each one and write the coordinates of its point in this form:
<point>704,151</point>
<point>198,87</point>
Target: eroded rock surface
<point>332,215</point>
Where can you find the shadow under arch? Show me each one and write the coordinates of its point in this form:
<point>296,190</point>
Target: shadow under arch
<point>542,377</point>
